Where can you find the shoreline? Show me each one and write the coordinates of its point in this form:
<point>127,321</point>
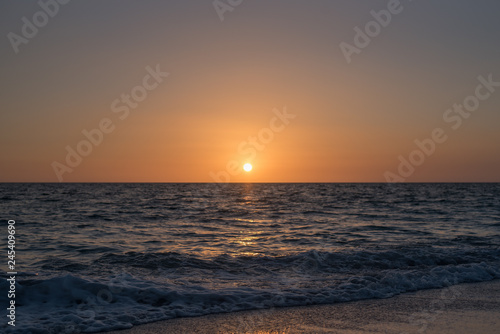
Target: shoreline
<point>462,308</point>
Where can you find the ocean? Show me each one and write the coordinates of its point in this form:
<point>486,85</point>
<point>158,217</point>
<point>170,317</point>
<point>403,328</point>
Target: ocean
<point>96,257</point>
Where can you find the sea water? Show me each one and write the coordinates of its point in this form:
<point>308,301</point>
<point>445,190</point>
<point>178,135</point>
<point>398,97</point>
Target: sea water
<point>95,257</point>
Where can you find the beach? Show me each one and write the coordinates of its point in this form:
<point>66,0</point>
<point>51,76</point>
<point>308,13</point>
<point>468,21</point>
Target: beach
<point>463,308</point>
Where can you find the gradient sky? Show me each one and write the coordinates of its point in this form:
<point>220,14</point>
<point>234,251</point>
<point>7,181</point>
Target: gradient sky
<point>353,121</point>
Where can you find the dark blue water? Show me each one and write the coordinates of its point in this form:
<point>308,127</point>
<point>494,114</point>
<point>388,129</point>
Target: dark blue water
<point>105,256</point>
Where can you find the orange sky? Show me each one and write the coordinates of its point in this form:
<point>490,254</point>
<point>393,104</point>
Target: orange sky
<point>352,121</point>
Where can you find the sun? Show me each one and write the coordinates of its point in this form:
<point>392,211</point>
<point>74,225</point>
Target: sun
<point>247,167</point>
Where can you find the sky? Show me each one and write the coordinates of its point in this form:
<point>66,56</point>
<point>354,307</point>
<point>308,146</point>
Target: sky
<point>305,91</point>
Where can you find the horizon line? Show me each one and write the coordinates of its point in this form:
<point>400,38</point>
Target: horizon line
<point>298,182</point>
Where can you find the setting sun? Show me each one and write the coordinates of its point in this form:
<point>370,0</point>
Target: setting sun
<point>247,167</point>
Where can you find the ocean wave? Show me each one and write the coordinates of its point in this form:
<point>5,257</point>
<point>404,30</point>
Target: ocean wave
<point>319,261</point>
<point>83,303</point>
